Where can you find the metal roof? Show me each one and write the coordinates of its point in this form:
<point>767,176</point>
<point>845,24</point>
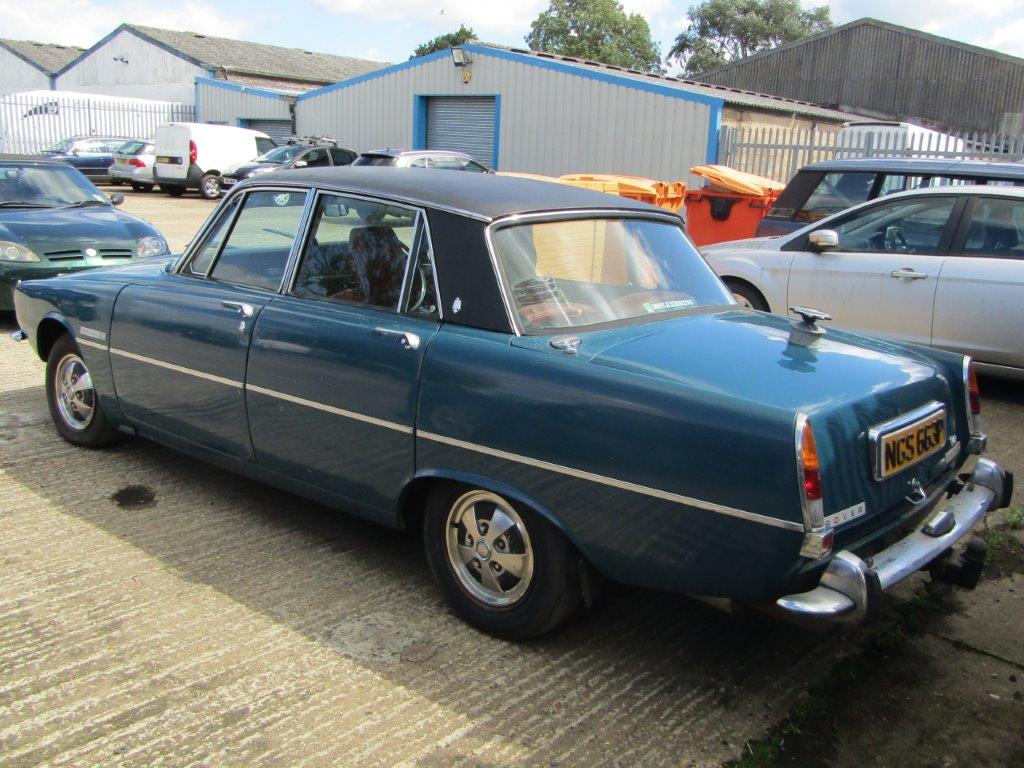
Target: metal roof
<point>733,97</point>
<point>46,57</point>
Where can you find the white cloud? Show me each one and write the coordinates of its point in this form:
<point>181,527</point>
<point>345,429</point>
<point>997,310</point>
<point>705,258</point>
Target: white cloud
<point>505,18</point>
<point>83,22</point>
<point>1009,38</point>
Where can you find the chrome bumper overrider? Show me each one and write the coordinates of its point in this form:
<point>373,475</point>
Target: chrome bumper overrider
<point>851,588</point>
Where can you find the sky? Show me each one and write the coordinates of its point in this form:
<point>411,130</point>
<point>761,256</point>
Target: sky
<point>390,31</point>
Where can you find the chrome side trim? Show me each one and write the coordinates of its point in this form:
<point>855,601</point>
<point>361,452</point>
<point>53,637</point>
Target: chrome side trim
<point>88,343</point>
<point>177,368</point>
<point>614,483</point>
<point>330,409</point>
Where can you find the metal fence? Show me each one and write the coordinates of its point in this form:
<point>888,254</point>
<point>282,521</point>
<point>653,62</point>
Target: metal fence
<point>779,152</point>
<point>29,123</point>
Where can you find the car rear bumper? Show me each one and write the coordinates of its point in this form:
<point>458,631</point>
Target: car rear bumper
<point>132,173</point>
<point>850,589</point>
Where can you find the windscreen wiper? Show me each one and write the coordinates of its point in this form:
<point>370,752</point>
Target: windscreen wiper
<point>23,204</point>
<point>84,203</point>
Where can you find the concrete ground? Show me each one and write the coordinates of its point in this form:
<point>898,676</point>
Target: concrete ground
<point>155,611</point>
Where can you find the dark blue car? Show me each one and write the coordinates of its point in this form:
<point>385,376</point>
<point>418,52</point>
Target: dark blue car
<point>53,220</point>
<point>92,155</point>
<point>550,382</point>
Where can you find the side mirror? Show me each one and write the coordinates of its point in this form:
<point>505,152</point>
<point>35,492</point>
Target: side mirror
<point>823,240</point>
<point>116,199</point>
<point>300,164</point>
<point>75,152</point>
<point>335,210</point>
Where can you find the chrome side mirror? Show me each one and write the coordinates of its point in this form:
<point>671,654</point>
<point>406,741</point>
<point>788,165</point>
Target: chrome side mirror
<point>823,240</point>
<point>300,164</point>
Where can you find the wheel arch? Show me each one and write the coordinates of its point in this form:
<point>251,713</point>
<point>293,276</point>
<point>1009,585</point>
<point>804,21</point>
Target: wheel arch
<point>731,280</point>
<point>414,496</point>
<point>50,328</point>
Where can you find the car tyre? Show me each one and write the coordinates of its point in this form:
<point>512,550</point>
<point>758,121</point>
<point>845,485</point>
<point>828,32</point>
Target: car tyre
<point>172,190</point>
<point>74,404</point>
<point>115,182</point>
<point>209,186</point>
<point>501,566</point>
<point>747,295</point>
<point>140,187</point>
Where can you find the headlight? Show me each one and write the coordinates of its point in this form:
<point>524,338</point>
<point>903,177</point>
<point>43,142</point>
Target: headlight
<point>13,252</point>
<point>150,246</point>
<point>258,171</point>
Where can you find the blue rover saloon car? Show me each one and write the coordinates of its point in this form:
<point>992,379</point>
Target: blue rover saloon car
<point>549,381</point>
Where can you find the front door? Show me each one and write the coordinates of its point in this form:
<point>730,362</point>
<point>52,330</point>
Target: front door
<point>178,346</point>
<point>334,366</point>
<point>883,276</point>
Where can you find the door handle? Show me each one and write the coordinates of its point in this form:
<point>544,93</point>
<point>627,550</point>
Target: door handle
<point>244,309</point>
<point>907,274</point>
<point>406,339</point>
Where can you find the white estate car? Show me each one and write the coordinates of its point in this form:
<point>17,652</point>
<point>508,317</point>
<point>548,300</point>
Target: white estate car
<point>942,267</point>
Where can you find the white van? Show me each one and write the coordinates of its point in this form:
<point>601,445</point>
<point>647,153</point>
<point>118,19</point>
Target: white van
<point>193,155</point>
<point>887,136</point>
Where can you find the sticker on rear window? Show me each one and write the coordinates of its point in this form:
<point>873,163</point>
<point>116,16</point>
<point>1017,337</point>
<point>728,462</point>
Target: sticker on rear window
<point>663,306</point>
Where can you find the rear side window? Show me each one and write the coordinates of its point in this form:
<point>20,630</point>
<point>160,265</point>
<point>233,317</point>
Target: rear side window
<point>357,252</point>
<point>996,229</point>
<point>342,156</point>
<point>256,250</point>
<point>474,167</point>
<point>836,192</point>
<point>446,163</point>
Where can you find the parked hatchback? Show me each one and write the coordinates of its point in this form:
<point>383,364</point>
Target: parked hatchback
<point>133,164</point>
<point>54,220</point>
<point>297,153</point>
<point>422,158</point>
<point>942,267</point>
<point>92,155</point>
<point>821,189</point>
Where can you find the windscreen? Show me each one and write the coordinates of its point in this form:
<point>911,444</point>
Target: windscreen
<point>579,272</point>
<point>280,154</point>
<point>46,186</point>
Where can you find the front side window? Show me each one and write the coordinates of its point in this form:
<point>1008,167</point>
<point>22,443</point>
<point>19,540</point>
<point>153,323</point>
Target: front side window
<point>200,265</point>
<point>836,192</point>
<point>357,252</point>
<point>913,225</point>
<point>256,250</point>
<point>316,157</point>
<point>279,154</point>
<point>578,272</point>
<point>996,229</point>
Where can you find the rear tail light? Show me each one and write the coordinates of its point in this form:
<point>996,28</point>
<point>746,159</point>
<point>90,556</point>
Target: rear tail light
<point>136,163</point>
<point>973,397</point>
<point>193,153</point>
<point>817,537</point>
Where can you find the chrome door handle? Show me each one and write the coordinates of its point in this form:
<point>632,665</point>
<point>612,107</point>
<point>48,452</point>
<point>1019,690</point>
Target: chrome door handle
<point>406,339</point>
<point>907,274</point>
<point>244,309</point>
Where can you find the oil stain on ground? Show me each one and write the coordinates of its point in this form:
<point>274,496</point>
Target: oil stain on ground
<point>134,496</point>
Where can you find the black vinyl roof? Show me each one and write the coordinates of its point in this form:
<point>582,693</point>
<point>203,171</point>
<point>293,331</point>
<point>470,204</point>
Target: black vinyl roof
<point>480,195</point>
<point>924,166</point>
<point>33,160</point>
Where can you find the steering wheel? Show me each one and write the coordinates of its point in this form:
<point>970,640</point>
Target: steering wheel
<point>895,240</point>
<point>422,276</point>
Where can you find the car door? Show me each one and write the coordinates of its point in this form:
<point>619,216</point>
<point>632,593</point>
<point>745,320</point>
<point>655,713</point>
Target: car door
<point>979,305</point>
<point>334,366</point>
<point>883,276</point>
<point>342,156</point>
<point>179,344</point>
<point>315,158</point>
<point>92,157</point>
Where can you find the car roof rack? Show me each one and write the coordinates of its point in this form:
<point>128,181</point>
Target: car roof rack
<point>311,141</point>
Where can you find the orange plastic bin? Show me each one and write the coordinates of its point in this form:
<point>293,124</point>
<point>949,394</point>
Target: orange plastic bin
<point>730,207</point>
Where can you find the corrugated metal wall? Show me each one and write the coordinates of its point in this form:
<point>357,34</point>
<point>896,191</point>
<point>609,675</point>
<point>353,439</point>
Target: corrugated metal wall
<point>550,122</point>
<point>895,74</point>
<point>217,104</point>
<point>17,75</point>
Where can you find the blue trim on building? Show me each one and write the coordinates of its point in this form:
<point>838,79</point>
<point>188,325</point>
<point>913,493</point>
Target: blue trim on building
<point>497,130</point>
<point>714,129</point>
<point>195,105</point>
<point>375,74</point>
<point>419,122</point>
<point>246,89</point>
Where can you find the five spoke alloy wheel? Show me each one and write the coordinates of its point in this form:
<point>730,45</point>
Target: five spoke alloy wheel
<point>76,399</point>
<point>489,549</point>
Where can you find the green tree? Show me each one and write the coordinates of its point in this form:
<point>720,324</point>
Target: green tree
<point>721,31</point>
<point>598,30</point>
<point>448,40</point>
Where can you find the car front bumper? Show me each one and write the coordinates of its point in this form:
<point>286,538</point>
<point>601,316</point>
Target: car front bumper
<point>850,589</point>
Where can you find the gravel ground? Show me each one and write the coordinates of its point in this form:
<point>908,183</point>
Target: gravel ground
<point>156,611</point>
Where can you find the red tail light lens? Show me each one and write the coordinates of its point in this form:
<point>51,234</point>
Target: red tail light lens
<point>809,461</point>
<point>136,163</point>
<point>193,153</point>
<point>973,393</point>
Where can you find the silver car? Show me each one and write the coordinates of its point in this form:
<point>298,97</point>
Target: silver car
<point>443,159</point>
<point>942,267</point>
<point>133,164</point>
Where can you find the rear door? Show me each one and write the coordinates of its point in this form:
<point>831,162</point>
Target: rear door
<point>334,367</point>
<point>172,152</point>
<point>883,276</point>
<point>979,306</point>
<point>179,345</point>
